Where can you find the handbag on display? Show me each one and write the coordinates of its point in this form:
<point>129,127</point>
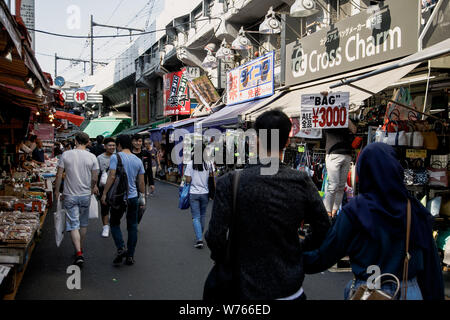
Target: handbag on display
<point>366,293</point>
<point>397,138</point>
<point>219,284</point>
<point>430,140</point>
<point>438,175</point>
<point>420,174</point>
<point>434,206</point>
<point>409,175</point>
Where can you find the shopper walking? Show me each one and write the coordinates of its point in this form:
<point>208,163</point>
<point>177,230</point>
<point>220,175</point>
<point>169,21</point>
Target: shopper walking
<point>145,157</point>
<point>153,155</point>
<point>98,148</point>
<point>338,159</point>
<point>134,170</point>
<point>197,176</point>
<point>266,253</point>
<point>103,162</point>
<point>372,230</point>
<point>81,175</point>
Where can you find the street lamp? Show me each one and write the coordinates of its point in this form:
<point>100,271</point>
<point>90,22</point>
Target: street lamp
<point>210,60</point>
<point>303,8</point>
<point>271,24</point>
<point>224,52</point>
<point>241,42</point>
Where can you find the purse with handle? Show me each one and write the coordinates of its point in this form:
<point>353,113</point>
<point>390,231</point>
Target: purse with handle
<point>364,293</point>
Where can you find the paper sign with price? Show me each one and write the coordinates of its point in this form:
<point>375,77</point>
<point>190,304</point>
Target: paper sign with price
<point>325,112</point>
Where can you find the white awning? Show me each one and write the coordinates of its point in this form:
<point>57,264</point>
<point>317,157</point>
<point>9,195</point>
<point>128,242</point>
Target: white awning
<point>290,102</point>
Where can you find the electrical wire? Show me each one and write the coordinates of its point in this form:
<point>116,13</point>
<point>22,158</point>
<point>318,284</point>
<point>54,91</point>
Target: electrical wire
<point>113,36</point>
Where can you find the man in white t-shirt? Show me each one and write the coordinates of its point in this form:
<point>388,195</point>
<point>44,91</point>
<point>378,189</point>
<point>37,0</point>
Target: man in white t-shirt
<point>80,182</point>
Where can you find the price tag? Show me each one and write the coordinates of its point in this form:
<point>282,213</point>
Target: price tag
<point>416,154</point>
<point>301,149</point>
<point>324,112</point>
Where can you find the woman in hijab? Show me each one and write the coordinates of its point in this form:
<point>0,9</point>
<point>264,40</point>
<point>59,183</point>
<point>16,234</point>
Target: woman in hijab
<point>371,230</point>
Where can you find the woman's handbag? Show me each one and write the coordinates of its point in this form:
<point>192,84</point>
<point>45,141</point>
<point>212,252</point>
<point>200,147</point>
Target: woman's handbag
<point>430,140</point>
<point>397,138</point>
<point>219,285</point>
<point>420,174</point>
<point>366,293</point>
<point>184,200</point>
<point>438,175</point>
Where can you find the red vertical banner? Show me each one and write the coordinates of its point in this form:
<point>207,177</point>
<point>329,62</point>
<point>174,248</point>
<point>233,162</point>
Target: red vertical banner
<point>176,94</point>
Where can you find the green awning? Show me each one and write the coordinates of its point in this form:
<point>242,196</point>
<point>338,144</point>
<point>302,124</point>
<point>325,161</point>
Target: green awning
<point>106,128</point>
<point>133,130</point>
<point>157,123</point>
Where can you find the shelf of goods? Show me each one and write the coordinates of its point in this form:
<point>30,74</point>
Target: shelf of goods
<point>20,230</point>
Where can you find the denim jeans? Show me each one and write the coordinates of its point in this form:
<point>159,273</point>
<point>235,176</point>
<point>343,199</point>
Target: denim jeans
<point>77,208</point>
<point>132,210</point>
<point>199,204</point>
<point>413,292</point>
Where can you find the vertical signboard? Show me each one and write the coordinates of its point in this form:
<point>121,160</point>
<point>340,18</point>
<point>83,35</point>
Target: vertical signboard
<point>251,81</point>
<point>143,106</point>
<point>26,10</point>
<point>176,94</point>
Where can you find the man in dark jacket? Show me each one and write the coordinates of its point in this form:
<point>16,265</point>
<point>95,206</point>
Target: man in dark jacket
<point>270,210</point>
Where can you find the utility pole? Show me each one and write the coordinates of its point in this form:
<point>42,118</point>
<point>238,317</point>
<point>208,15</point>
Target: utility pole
<point>94,24</point>
<point>75,60</point>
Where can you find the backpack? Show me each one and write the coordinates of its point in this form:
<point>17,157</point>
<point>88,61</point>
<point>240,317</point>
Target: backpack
<point>116,194</point>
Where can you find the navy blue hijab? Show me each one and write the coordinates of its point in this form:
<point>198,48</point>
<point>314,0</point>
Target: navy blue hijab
<point>382,202</point>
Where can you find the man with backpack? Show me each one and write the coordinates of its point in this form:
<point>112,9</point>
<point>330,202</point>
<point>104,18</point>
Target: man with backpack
<point>125,179</point>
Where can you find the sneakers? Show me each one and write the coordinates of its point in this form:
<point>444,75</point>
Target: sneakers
<point>79,260</point>
<point>199,245</point>
<point>129,261</point>
<point>105,232</point>
<point>120,255</point>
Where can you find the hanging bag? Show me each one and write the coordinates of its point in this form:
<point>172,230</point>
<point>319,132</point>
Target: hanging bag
<point>420,174</point>
<point>219,285</point>
<point>438,175</point>
<point>184,196</point>
<point>364,293</point>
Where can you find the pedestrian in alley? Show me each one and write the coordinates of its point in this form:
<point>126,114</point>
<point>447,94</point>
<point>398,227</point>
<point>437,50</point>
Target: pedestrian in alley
<point>133,199</point>
<point>372,231</point>
<point>81,175</point>
<point>153,155</point>
<point>197,175</point>
<point>145,157</point>
<point>99,146</point>
<point>103,162</point>
<point>266,253</point>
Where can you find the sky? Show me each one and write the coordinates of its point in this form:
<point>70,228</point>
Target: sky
<point>60,16</point>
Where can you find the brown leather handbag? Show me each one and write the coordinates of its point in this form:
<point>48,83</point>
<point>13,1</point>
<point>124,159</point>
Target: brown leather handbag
<point>364,293</point>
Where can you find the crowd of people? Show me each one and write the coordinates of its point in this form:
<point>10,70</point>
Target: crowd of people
<point>86,169</point>
<point>253,233</point>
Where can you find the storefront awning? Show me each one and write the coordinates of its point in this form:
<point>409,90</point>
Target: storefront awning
<point>435,51</point>
<point>290,101</point>
<point>105,128</point>
<point>76,120</point>
<point>231,114</point>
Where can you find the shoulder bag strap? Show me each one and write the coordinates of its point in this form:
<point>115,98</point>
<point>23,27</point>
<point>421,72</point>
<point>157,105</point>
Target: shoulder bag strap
<point>407,256</point>
<point>235,186</point>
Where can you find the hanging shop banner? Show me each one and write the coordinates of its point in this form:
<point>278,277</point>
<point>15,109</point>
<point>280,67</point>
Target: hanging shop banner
<point>384,32</point>
<point>143,101</point>
<point>324,112</point>
<point>204,91</point>
<point>176,94</point>
<point>45,131</point>
<point>251,81</point>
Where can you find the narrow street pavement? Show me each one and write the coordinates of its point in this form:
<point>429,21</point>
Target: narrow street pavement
<point>167,267</point>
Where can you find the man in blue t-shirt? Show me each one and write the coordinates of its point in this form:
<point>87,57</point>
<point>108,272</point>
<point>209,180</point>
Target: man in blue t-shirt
<point>135,173</point>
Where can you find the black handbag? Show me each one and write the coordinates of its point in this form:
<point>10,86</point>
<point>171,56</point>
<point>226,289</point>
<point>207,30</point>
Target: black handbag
<point>220,285</point>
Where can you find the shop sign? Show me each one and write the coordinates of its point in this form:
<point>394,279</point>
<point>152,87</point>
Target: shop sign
<point>297,132</point>
<point>204,91</point>
<point>416,153</point>
<point>324,112</point>
<point>251,81</point>
<point>374,36</point>
<point>80,96</point>
<point>176,94</point>
<point>143,101</point>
